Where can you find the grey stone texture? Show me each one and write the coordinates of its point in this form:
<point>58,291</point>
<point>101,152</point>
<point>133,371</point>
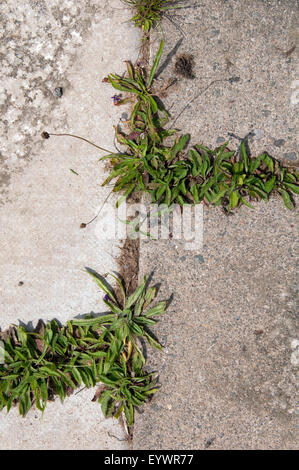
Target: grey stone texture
<point>228,369</point>
<point>47,45</point>
<point>246,71</point>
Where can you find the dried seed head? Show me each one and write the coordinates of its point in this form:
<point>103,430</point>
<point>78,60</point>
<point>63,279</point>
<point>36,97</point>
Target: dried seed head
<point>45,135</point>
<point>184,66</point>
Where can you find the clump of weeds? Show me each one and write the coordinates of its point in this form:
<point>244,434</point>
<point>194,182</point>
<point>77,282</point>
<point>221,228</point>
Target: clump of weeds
<point>169,173</point>
<point>56,360</point>
<point>148,13</point>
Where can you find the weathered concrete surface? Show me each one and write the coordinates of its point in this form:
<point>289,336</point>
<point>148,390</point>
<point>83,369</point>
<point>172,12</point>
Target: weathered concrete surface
<point>78,423</point>
<point>46,45</point>
<point>228,369</point>
<point>246,73</point>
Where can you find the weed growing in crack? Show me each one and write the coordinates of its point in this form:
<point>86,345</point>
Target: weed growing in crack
<point>172,175</point>
<point>55,360</point>
<point>148,13</point>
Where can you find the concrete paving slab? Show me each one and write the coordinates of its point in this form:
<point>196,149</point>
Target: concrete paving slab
<point>246,72</point>
<point>229,365</point>
<point>228,369</point>
<point>78,423</point>
<point>48,45</point>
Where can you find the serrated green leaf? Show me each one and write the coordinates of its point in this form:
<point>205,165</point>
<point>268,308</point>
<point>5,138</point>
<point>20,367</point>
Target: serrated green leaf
<point>155,64</point>
<point>287,199</point>
<point>234,199</point>
<point>293,187</point>
<point>101,283</point>
<point>157,310</point>
<point>134,297</point>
